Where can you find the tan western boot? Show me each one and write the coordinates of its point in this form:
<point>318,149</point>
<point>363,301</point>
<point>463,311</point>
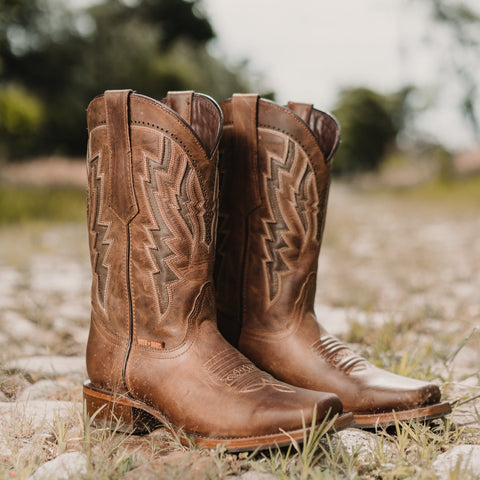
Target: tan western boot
<point>154,353</point>
<point>275,176</point>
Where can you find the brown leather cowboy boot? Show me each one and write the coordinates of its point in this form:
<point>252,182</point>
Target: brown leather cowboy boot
<point>154,353</point>
<point>274,182</point>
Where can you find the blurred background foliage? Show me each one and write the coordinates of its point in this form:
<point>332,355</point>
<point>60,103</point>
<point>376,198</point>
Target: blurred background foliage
<point>54,58</point>
<point>370,124</point>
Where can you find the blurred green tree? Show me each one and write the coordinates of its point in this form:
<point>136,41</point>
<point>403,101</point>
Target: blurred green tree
<point>459,23</point>
<point>370,123</point>
<point>64,58</point>
<point>20,118</point>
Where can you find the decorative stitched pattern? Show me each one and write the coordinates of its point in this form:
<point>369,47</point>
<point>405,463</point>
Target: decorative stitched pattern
<point>293,206</point>
<point>177,209</point>
<point>101,243</point>
<point>210,216</point>
<point>234,370</point>
<point>339,355</point>
<point>301,198</point>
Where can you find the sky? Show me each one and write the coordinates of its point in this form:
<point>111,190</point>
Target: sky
<point>307,50</point>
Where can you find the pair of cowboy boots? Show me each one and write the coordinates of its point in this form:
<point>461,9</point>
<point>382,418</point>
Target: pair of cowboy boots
<point>162,274</point>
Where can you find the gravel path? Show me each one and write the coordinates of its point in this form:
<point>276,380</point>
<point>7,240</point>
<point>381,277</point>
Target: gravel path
<point>386,260</point>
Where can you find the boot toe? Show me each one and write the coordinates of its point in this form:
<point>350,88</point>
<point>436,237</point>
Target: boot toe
<point>430,394</point>
<point>300,410</point>
<point>384,391</point>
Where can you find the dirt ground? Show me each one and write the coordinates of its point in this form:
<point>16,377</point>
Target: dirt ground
<point>399,278</point>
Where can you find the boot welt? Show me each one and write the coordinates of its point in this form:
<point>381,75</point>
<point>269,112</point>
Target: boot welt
<point>123,414</point>
<point>387,419</point>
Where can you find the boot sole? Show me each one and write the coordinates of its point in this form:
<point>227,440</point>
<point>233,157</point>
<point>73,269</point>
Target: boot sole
<point>123,414</point>
<point>387,419</point>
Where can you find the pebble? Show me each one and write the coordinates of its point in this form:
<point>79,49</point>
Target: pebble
<point>71,311</point>
<point>48,366</point>
<point>10,279</point>
<point>337,320</point>
<point>191,465</point>
<point>38,415</point>
<point>24,424</point>
<point>43,390</point>
<point>255,476</point>
<point>17,326</point>
<point>63,277</point>
<point>363,444</point>
<point>65,466</point>
<point>462,459</point>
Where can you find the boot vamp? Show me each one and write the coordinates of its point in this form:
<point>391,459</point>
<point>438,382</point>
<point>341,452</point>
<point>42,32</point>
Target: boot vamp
<point>362,386</point>
<point>324,363</point>
<point>209,388</point>
<point>378,390</point>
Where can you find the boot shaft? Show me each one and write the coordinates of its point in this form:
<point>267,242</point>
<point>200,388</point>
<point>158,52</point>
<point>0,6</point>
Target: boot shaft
<point>154,352</point>
<point>152,214</point>
<point>274,182</point>
<point>275,167</point>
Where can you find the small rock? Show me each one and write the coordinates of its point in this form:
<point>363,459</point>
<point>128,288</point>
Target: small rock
<point>192,465</point>
<point>42,390</point>
<point>70,311</point>
<point>463,459</point>
<point>338,320</point>
<point>335,320</point>
<point>364,444</point>
<point>17,326</point>
<point>471,382</point>
<point>12,385</point>
<point>65,466</point>
<point>255,476</point>
<point>48,366</point>
<point>80,335</point>
<point>74,438</point>
<point>10,278</point>
<point>63,277</point>
<point>37,415</point>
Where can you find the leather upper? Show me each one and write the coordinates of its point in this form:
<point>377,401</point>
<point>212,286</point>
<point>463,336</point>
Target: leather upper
<point>275,167</point>
<point>152,177</point>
